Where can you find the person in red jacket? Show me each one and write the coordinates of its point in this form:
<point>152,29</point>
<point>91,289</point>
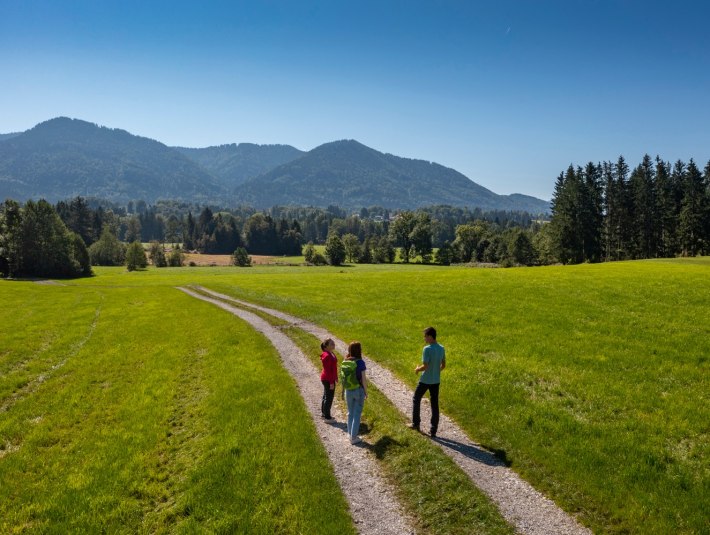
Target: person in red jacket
<point>329,377</point>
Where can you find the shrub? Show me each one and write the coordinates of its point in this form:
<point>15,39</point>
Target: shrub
<point>135,257</point>
<point>241,258</point>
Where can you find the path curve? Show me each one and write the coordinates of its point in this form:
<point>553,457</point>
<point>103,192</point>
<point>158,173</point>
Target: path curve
<point>373,505</point>
<point>520,504</point>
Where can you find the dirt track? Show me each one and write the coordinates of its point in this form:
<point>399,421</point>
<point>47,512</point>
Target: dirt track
<point>373,505</point>
<point>523,506</point>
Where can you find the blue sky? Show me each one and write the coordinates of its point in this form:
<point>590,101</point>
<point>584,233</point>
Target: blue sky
<point>507,92</point>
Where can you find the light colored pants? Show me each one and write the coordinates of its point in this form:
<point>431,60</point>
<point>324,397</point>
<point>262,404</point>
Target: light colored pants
<point>355,400</point>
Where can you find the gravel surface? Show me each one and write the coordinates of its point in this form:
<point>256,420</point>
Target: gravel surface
<point>373,505</point>
<point>523,506</point>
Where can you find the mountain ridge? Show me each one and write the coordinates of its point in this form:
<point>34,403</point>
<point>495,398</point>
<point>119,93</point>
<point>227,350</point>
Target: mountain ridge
<point>348,173</point>
<point>235,163</point>
<point>62,157</point>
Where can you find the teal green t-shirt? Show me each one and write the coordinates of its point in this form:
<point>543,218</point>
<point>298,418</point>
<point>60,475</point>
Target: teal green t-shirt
<point>433,355</point>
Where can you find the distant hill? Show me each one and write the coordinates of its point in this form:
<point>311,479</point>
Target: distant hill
<point>10,135</point>
<point>349,174</point>
<point>234,164</point>
<point>63,157</point>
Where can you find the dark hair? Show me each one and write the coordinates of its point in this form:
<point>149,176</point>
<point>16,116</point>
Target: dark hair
<point>430,331</point>
<point>325,343</point>
<point>355,350</point>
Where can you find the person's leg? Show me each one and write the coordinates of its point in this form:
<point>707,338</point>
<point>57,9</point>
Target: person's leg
<point>329,395</point>
<point>350,400</point>
<point>434,395</point>
<point>358,404</point>
<point>324,410</point>
<point>417,403</point>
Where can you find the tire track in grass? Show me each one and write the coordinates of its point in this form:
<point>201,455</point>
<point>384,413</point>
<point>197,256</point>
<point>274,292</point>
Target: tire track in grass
<point>32,385</point>
<point>520,504</point>
<point>373,505</point>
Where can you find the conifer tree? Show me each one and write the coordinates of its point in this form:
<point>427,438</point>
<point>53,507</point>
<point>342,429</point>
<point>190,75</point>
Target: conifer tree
<point>366,252</point>
<point>135,256</point>
<point>591,204</point>
<point>691,224</point>
<point>566,219</point>
<point>667,210</point>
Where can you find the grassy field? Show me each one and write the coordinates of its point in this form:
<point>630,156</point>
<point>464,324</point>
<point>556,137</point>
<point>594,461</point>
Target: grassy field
<point>140,409</point>
<point>593,380</point>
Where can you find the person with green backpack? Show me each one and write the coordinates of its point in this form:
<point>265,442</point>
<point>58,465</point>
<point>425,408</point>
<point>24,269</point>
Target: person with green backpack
<point>352,377</point>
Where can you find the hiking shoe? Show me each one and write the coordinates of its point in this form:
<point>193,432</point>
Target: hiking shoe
<point>415,427</point>
<point>330,420</point>
<point>432,434</point>
<point>355,440</point>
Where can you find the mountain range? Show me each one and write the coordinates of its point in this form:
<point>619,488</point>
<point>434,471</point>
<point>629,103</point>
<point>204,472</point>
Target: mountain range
<point>63,158</point>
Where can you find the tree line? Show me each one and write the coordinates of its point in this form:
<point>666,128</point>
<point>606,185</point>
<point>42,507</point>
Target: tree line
<point>372,235</point>
<point>607,211</point>
<point>35,242</point>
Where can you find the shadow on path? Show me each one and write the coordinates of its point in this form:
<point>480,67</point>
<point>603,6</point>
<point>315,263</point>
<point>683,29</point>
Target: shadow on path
<point>495,458</point>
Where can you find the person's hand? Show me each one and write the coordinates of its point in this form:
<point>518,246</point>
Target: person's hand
<point>332,386</point>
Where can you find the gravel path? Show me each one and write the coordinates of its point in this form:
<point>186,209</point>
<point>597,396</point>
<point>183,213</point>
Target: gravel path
<point>523,506</point>
<point>373,505</point>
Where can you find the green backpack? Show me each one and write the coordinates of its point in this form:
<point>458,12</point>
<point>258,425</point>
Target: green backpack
<point>348,375</point>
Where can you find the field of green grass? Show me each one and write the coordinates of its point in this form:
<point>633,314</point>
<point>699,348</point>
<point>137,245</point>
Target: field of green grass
<point>593,380</point>
<point>139,409</point>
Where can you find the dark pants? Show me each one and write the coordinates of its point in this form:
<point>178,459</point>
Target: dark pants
<point>327,402</point>
<point>417,402</point>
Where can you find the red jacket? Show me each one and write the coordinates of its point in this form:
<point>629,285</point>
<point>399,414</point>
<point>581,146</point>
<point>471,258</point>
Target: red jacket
<point>330,367</point>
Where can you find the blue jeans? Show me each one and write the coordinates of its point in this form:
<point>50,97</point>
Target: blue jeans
<point>356,400</point>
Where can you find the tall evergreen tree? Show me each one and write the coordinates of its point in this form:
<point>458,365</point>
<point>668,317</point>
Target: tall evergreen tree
<point>622,232</point>
<point>667,210</point>
<point>644,221</point>
<point>566,220</point>
<point>592,211</point>
<point>691,224</point>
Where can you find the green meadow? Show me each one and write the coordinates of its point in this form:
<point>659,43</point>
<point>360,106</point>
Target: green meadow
<point>140,409</point>
<point>592,381</point>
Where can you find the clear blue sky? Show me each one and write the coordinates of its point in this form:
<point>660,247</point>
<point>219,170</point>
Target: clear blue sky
<point>507,92</point>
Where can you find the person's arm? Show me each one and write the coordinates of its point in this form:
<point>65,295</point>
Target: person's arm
<point>425,362</point>
<point>364,382</point>
<point>334,371</point>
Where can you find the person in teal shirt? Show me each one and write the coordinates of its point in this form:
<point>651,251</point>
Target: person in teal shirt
<point>433,361</point>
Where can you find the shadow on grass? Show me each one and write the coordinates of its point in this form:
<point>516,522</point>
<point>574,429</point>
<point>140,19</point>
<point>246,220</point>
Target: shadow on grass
<point>495,457</point>
<point>380,447</point>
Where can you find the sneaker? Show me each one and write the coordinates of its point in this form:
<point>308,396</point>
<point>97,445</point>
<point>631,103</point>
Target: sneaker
<point>412,426</point>
<point>432,434</point>
<point>330,420</point>
<point>355,440</point>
